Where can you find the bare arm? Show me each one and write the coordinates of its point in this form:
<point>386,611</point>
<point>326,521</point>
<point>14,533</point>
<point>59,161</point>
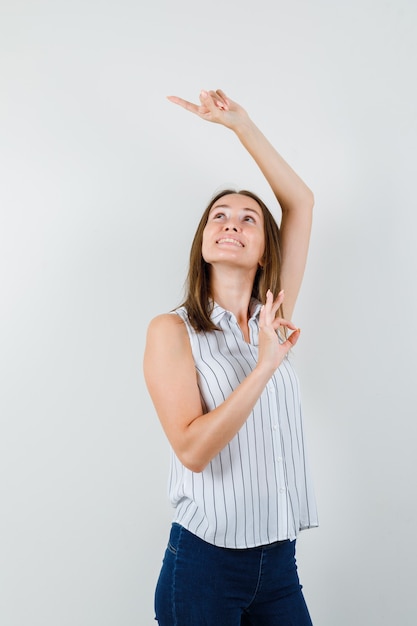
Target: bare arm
<point>171,379</point>
<point>296,202</point>
<point>294,197</point>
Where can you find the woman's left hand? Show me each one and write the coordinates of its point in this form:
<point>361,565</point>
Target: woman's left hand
<point>272,348</point>
<point>215,107</point>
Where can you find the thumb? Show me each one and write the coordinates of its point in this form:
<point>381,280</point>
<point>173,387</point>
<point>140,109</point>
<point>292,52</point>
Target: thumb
<point>293,338</point>
<point>211,100</point>
<point>205,97</point>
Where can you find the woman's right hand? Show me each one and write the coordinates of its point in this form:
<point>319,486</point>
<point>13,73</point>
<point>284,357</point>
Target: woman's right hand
<point>215,107</point>
<point>197,436</point>
<point>272,350</point>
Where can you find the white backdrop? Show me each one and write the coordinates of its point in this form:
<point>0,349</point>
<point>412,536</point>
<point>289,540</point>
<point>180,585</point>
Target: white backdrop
<point>103,182</point>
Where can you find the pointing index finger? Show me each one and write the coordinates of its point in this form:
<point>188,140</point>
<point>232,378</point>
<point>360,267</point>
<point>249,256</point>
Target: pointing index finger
<point>189,106</point>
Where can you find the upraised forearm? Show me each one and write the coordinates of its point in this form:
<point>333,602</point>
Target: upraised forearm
<point>289,189</point>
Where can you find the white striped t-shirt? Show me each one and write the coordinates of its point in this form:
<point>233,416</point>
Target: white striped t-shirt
<point>258,489</point>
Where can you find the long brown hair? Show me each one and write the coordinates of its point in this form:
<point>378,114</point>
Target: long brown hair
<point>197,287</point>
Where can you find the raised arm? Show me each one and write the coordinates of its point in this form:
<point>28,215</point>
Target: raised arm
<point>294,197</point>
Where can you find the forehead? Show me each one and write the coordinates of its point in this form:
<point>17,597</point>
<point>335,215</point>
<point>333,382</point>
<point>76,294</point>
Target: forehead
<point>238,201</point>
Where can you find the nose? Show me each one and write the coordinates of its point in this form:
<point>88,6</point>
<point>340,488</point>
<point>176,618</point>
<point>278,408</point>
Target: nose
<point>231,226</point>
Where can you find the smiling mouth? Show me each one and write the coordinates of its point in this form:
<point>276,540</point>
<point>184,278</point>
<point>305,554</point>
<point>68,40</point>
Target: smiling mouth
<point>234,242</point>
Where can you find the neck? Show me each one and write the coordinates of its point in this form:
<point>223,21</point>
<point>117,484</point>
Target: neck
<point>233,291</point>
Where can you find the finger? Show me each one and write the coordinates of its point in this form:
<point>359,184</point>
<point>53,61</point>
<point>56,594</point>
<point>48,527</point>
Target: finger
<point>271,307</point>
<point>269,299</point>
<point>205,97</point>
<point>189,106</point>
<point>279,321</point>
<point>274,305</point>
<point>291,341</point>
<point>210,101</point>
<point>213,96</point>
<point>294,337</point>
<point>269,296</point>
<point>279,300</point>
<point>216,99</point>
<point>279,297</point>
<point>224,98</point>
<point>265,317</point>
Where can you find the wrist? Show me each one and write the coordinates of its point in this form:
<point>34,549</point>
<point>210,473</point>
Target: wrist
<point>244,128</point>
<point>263,372</point>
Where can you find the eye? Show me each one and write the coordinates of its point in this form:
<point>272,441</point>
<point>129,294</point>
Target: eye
<point>218,215</point>
<point>249,218</point>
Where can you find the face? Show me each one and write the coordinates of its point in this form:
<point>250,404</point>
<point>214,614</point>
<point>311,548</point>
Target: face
<point>234,233</point>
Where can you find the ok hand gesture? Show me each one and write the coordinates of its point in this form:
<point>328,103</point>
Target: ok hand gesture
<point>272,349</point>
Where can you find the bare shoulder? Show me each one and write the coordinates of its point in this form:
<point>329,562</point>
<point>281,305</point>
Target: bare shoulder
<point>166,320</point>
<point>167,333</point>
<point>166,326</point>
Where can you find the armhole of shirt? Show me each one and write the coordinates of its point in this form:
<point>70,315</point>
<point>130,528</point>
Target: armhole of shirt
<point>182,313</point>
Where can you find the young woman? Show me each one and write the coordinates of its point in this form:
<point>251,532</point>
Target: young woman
<point>218,372</point>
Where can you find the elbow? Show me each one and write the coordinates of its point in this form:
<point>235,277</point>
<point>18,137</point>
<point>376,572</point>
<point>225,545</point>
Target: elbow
<point>305,199</point>
<point>196,468</point>
<point>312,200</point>
<point>192,462</point>
<point>193,452</point>
<point>306,205</point>
<point>309,199</point>
<point>302,203</point>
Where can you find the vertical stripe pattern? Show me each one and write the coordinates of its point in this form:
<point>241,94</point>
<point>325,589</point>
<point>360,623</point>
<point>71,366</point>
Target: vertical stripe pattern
<point>258,489</point>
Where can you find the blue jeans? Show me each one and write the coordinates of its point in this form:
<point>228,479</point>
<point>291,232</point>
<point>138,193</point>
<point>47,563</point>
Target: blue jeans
<point>203,585</point>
